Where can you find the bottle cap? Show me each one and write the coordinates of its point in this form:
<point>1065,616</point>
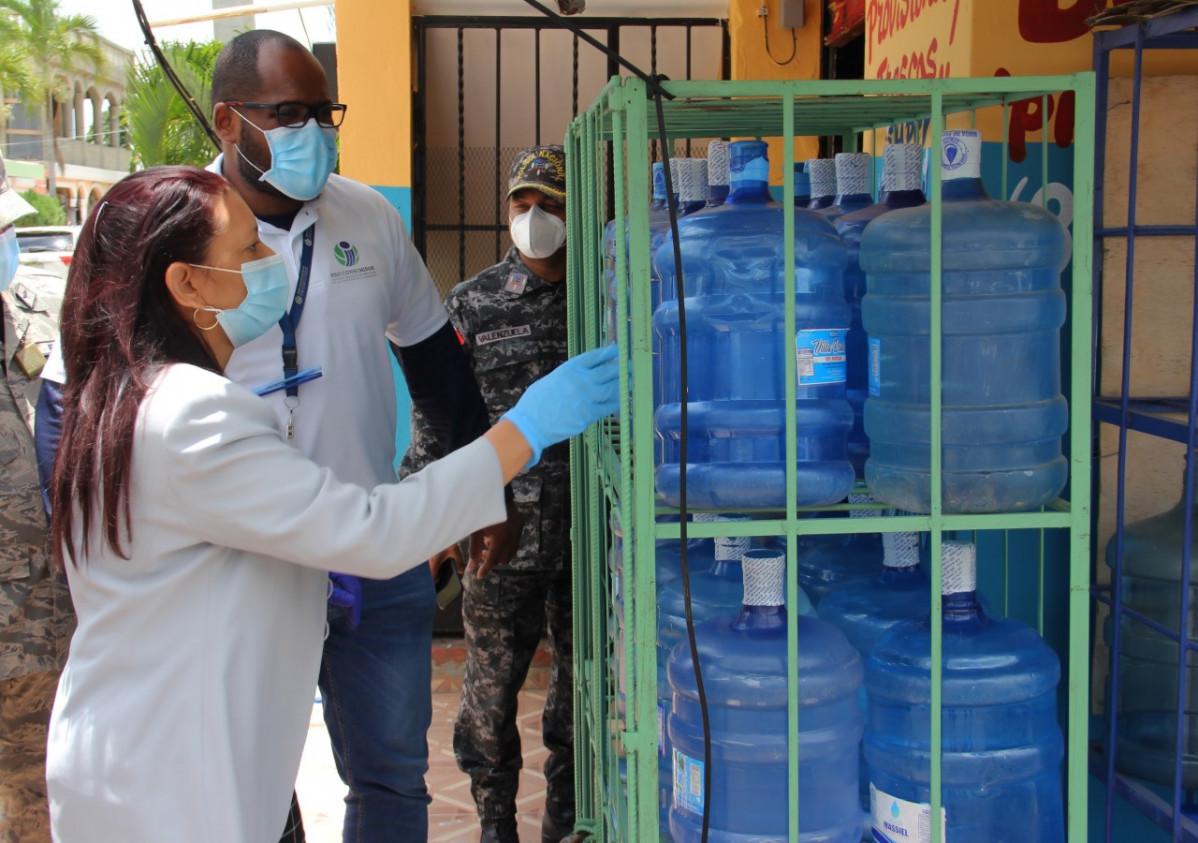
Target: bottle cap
<point>659,181</point>
<point>959,568</point>
<point>675,170</point>
<point>902,167</point>
<point>717,163</point>
<point>764,572</point>
<point>900,550</point>
<point>802,180</point>
<point>861,513</point>
<point>726,549</point>
<point>961,154</point>
<point>823,177</point>
<point>852,173</point>
<point>693,176</point>
<point>748,162</point>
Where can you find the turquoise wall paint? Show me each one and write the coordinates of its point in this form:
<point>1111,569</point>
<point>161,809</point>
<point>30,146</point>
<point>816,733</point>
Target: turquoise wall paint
<point>401,198</point>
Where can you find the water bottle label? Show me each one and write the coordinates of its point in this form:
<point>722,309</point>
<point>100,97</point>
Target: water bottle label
<point>875,366</point>
<point>820,356</point>
<point>897,819</point>
<point>688,783</point>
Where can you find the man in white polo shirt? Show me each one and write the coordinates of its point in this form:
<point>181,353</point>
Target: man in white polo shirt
<point>357,283</point>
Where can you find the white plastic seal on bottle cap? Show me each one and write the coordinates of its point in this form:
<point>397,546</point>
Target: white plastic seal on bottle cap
<point>902,167</point>
<point>717,163</point>
<point>900,550</point>
<point>961,154</point>
<point>764,573</point>
<point>852,173</point>
<point>693,175</point>
<point>959,568</point>
<point>823,177</point>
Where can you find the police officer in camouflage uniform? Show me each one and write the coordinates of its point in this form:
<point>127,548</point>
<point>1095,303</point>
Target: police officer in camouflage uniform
<point>512,322</point>
<point>36,618</point>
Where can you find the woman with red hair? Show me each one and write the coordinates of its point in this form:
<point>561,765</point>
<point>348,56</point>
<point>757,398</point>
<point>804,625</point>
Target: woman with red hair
<point>197,541</point>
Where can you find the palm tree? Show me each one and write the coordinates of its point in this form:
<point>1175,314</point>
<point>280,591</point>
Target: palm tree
<point>16,76</point>
<point>52,43</point>
<point>161,129</point>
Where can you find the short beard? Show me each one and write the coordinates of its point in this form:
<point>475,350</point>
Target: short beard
<point>252,177</point>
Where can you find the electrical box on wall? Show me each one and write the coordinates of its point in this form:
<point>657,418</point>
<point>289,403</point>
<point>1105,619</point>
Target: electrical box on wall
<point>790,14</point>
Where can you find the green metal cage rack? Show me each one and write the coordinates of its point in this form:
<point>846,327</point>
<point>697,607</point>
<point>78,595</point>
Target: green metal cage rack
<point>608,163</point>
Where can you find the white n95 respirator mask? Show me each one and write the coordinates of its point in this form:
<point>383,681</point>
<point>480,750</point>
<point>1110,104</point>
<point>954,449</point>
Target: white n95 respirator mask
<point>537,234</point>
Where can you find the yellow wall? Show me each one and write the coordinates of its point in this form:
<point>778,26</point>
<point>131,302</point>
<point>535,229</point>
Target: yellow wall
<point>749,59</point>
<point>374,76</point>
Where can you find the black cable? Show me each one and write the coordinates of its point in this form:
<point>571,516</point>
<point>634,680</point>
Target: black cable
<point>794,43</point>
<point>172,77</point>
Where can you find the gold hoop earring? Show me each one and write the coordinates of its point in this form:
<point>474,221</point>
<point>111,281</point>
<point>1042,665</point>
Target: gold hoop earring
<point>194,315</point>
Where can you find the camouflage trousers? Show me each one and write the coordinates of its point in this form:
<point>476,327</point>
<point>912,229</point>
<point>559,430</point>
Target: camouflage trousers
<point>25,704</point>
<point>505,615</point>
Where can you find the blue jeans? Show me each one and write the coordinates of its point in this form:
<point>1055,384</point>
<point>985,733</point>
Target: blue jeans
<point>376,683</point>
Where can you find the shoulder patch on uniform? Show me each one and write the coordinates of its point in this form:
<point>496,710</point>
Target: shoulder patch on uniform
<point>503,334</point>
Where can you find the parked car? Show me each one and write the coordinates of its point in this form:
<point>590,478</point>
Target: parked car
<point>49,247</point>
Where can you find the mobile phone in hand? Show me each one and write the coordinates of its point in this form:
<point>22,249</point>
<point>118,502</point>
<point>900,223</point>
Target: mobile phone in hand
<point>448,584</point>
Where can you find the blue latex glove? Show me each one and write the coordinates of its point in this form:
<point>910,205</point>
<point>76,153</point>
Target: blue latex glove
<point>345,591</point>
<point>568,400</point>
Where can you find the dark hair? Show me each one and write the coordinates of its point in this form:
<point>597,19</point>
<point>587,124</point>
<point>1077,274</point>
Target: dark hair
<point>235,74</point>
<point>119,327</point>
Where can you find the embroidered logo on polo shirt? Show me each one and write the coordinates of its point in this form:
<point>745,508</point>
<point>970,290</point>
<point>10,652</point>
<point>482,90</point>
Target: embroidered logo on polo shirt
<point>488,337</point>
<point>346,253</point>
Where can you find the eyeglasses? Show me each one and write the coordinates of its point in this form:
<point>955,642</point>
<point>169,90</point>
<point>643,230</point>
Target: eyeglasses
<point>295,115</point>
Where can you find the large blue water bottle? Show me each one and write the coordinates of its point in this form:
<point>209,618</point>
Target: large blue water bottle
<point>802,194</point>
<point>865,610</point>
<point>1003,412</point>
<point>717,172</point>
<point>841,560</point>
<point>733,263</point>
<point>1000,741</point>
<point>822,174</point>
<point>901,178</point>
<point>744,661</point>
<point>1146,721</point>
<point>659,219</point>
<point>715,591</point>
<point>852,184</point>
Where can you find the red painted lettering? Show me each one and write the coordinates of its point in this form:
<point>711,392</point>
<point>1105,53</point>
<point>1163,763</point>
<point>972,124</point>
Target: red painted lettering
<point>1045,22</point>
<point>1027,117</point>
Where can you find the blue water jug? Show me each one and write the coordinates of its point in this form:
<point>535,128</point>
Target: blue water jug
<point>1003,308</point>
<point>852,185</point>
<point>802,194</point>
<point>841,560</point>
<point>822,173</point>
<point>717,172</point>
<point>865,610</point>
<point>1001,744</point>
<point>744,661</point>
<point>1146,723</point>
<point>659,219</point>
<point>733,269</point>
<point>901,178</point>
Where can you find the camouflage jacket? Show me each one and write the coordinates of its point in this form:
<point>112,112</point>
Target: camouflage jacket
<point>513,329</point>
<point>36,619</point>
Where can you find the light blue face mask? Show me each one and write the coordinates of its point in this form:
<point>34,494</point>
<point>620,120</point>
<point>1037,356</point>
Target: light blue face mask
<point>265,301</point>
<point>300,159</point>
<point>10,257</point>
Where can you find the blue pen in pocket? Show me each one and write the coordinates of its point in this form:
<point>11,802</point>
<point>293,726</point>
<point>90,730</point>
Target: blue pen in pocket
<point>302,376</point>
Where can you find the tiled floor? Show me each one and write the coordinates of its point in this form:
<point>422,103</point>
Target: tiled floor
<point>451,816</point>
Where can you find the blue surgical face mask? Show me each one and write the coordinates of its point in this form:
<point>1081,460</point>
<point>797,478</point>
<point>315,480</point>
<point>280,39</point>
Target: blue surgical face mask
<point>10,257</point>
<point>300,159</point>
<point>265,302</point>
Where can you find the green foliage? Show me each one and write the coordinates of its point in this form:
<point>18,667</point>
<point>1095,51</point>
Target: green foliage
<point>160,128</point>
<point>48,211</point>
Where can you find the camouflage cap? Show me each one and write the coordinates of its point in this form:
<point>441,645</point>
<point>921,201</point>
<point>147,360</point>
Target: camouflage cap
<point>540,167</point>
<point>12,205</point>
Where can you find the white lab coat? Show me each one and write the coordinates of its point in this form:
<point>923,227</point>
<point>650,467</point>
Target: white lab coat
<point>183,708</point>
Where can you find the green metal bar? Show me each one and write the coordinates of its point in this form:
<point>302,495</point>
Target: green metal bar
<point>789,370</point>
<point>936,288</point>
<point>1081,293</point>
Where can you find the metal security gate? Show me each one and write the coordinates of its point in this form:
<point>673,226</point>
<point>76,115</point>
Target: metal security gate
<point>487,87</point>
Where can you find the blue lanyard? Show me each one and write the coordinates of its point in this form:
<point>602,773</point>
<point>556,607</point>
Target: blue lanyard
<point>290,320</point>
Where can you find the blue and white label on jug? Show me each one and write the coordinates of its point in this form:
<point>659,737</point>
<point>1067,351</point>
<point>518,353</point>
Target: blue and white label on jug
<point>897,819</point>
<point>688,783</point>
<point>755,169</point>
<point>875,367</point>
<point>820,356</point>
